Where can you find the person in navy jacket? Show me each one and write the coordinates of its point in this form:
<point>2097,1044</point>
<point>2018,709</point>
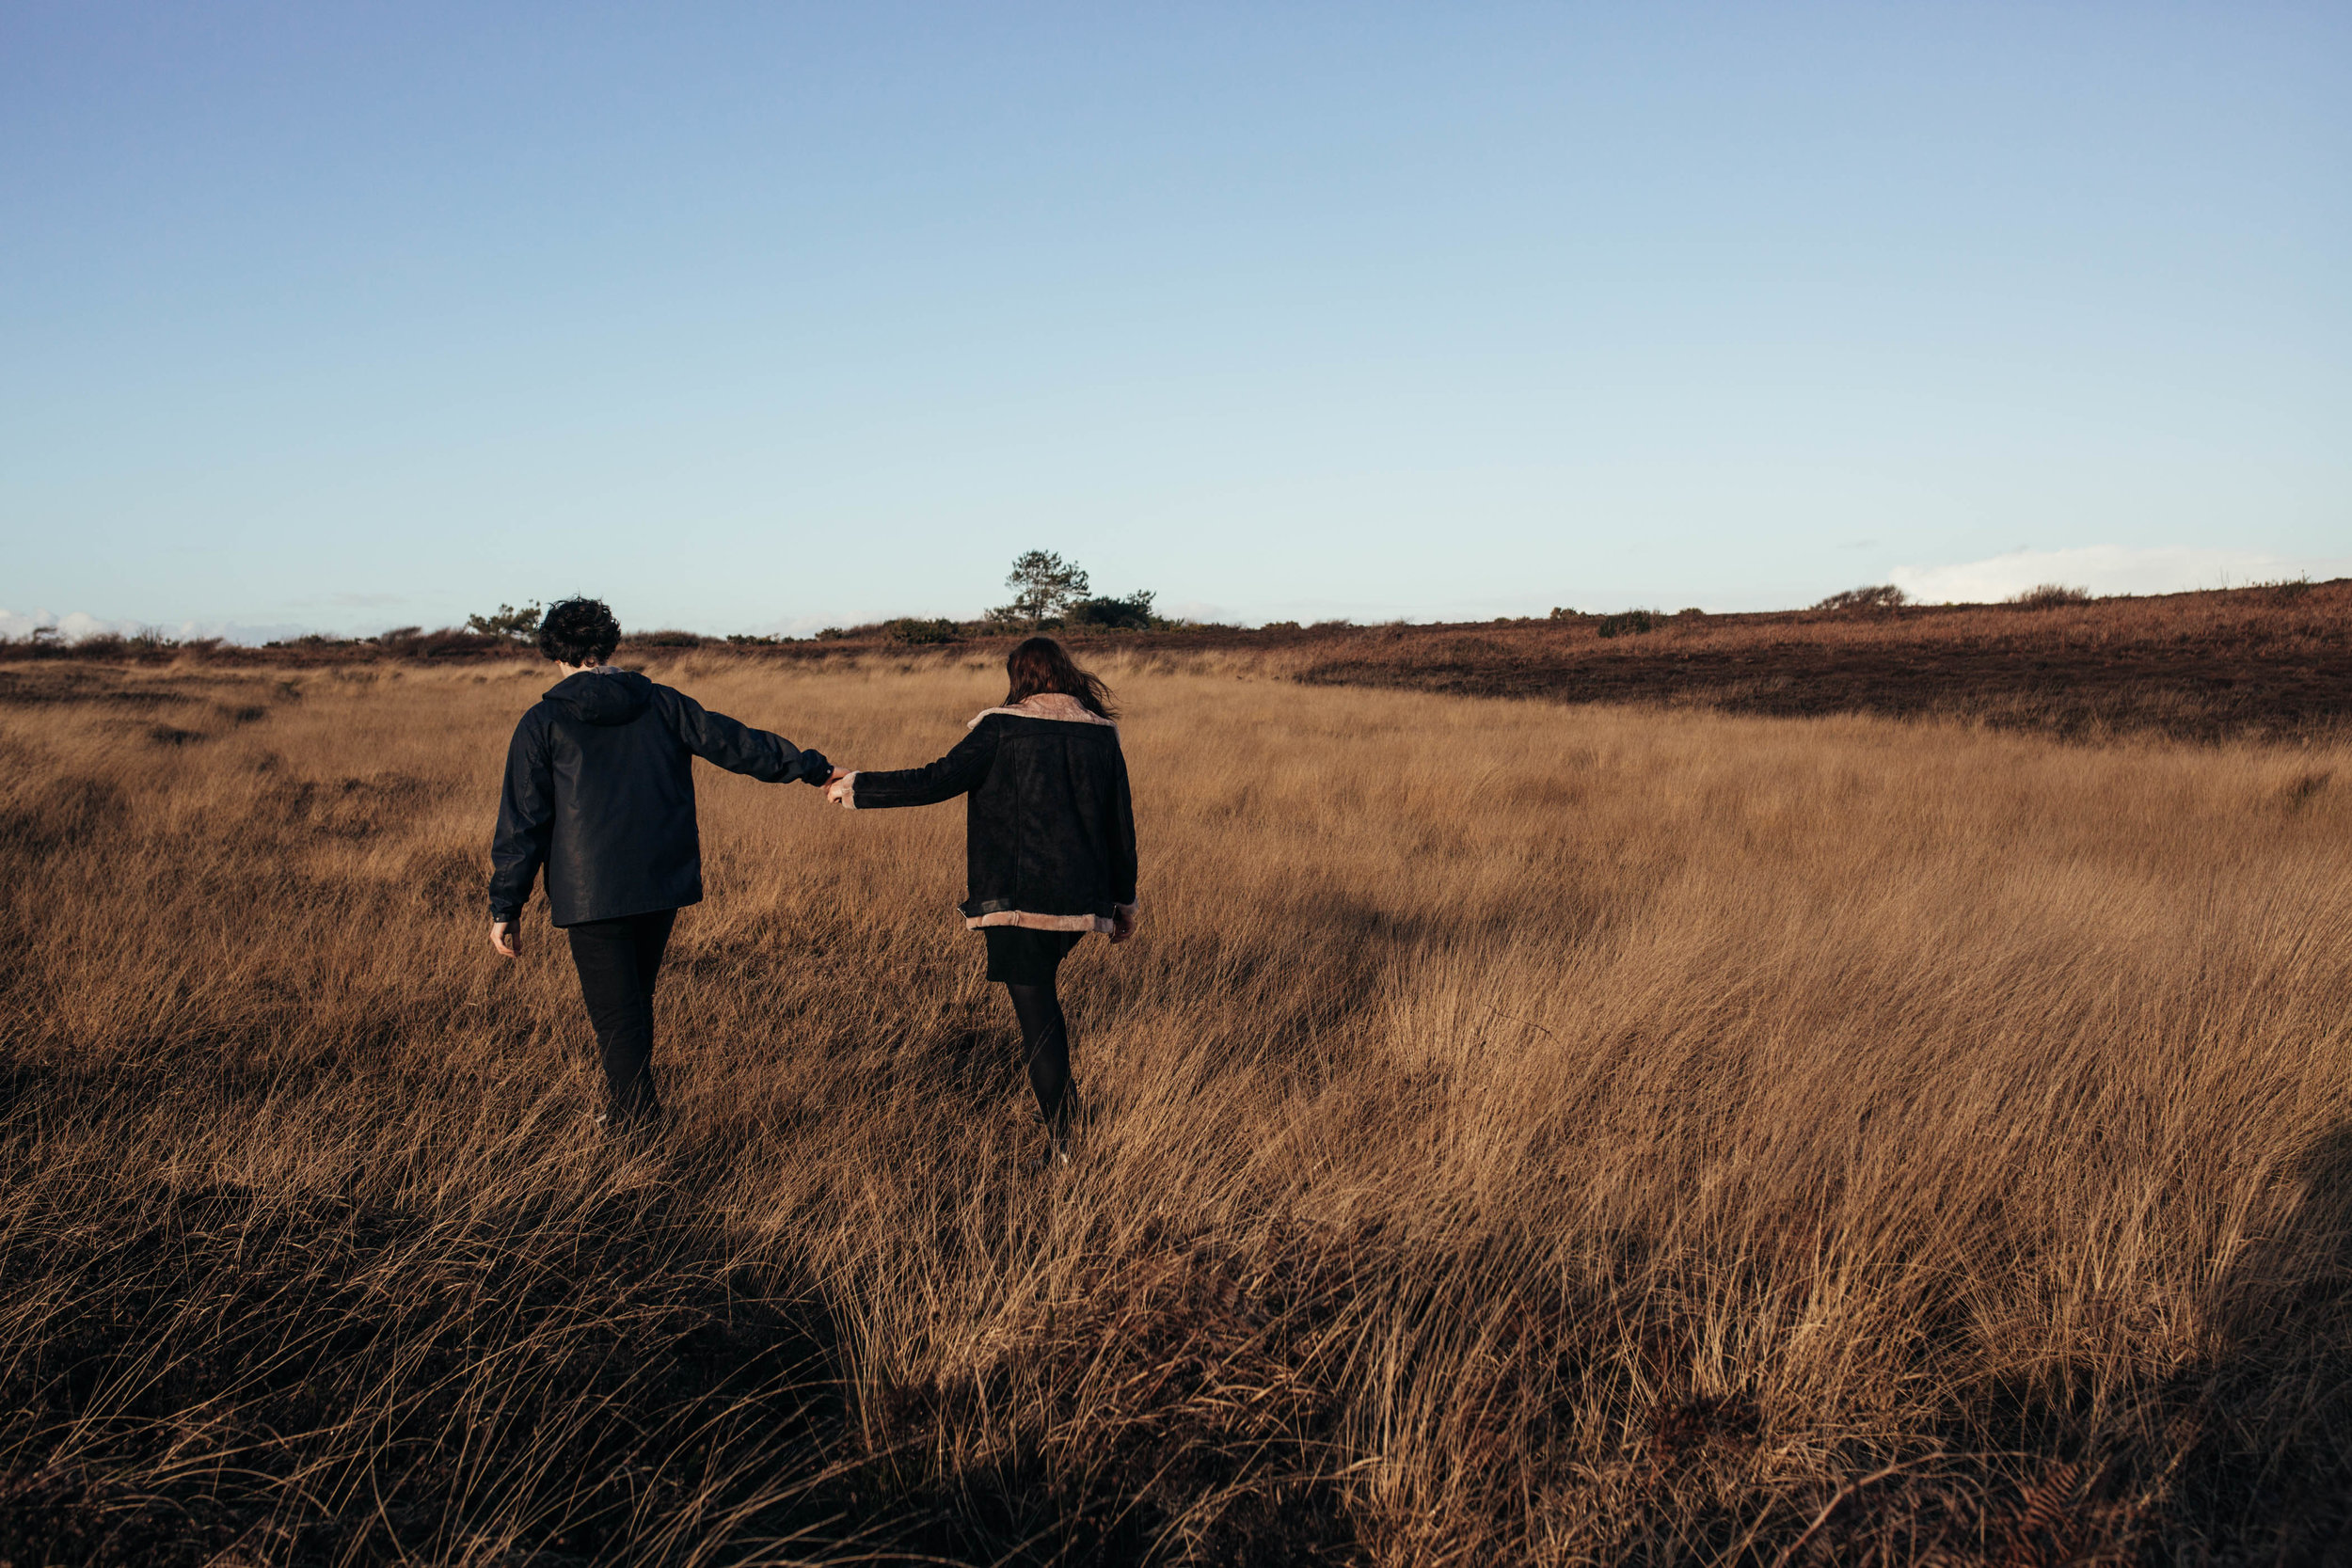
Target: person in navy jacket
<point>599,795</point>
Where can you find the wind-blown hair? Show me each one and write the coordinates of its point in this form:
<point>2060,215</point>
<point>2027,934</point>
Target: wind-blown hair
<point>578,631</point>
<point>1042,664</point>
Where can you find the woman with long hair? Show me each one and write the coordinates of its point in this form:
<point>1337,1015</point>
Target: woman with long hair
<point>1049,844</point>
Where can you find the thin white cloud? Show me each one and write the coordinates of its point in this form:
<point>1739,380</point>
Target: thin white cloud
<point>809,625</point>
<point>2107,569</point>
<point>79,624</point>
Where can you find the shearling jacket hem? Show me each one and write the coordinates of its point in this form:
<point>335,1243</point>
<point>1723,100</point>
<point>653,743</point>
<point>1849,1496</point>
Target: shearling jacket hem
<point>1082,923</point>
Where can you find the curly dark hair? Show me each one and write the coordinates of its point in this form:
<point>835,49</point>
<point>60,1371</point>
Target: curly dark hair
<point>578,631</point>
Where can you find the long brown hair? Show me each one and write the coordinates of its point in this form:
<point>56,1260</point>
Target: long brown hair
<point>1042,664</point>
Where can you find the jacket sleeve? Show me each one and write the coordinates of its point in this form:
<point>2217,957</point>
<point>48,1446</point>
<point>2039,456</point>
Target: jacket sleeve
<point>737,747</point>
<point>959,772</point>
<point>518,847</point>
<point>1123,836</point>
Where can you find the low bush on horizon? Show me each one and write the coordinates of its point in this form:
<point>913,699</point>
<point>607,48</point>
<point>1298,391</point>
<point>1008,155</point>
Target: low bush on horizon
<point>1519,1134</point>
<point>2050,595</point>
<point>1879,597</point>
<point>1105,612</point>
<point>911,632</point>
<point>515,625</point>
<point>1630,623</point>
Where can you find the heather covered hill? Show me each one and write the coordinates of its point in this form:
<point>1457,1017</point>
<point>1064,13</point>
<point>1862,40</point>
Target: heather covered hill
<point>2272,663</point>
<point>2269,663</point>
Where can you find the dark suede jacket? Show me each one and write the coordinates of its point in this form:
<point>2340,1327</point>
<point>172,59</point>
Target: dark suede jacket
<point>1048,827</point>
<point>600,790</point>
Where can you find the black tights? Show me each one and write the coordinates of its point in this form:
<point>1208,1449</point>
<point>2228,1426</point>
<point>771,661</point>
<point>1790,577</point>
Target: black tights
<point>1045,1040</point>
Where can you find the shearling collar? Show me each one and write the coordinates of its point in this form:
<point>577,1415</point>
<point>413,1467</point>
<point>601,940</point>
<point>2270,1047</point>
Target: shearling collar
<point>1045,705</point>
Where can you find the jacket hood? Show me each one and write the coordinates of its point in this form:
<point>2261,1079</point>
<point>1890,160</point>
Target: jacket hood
<point>603,696</point>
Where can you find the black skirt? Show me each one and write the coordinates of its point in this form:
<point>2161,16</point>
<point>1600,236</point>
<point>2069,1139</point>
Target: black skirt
<point>1021,957</point>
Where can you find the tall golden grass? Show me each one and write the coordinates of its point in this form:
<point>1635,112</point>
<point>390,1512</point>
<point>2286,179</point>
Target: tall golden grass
<point>1519,1134</point>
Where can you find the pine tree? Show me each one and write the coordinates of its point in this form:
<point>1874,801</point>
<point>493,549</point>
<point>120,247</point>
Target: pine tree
<point>1044,585</point>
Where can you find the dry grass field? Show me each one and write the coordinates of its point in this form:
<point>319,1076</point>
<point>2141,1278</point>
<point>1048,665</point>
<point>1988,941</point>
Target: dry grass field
<point>1519,1134</point>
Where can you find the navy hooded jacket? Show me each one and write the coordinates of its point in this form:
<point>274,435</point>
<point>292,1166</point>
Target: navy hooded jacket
<point>600,791</point>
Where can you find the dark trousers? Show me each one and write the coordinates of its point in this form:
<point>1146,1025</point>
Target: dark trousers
<point>618,961</point>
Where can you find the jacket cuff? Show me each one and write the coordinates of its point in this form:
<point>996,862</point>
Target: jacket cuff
<point>510,916</point>
<point>814,768</point>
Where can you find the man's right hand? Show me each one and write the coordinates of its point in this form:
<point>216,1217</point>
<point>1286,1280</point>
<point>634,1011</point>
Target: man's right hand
<point>505,941</point>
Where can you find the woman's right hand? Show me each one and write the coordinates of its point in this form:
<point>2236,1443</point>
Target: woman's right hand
<point>837,788</point>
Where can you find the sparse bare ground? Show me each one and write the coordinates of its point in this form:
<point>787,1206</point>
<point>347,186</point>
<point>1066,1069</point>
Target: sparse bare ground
<point>1520,1133</point>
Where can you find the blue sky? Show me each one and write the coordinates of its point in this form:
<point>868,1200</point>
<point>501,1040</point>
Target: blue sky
<point>758,317</point>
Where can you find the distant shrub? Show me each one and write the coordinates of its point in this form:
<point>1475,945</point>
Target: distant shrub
<point>1280,626</point>
<point>450,643</point>
<point>1885,595</point>
<point>416,642</point>
<point>1562,612</point>
<point>748,640</point>
<point>1340,625</point>
<point>1691,612</point>
<point>1631,623</point>
<point>669,637</point>
<point>2049,596</point>
<point>832,634</point>
<point>1132,613</point>
<point>912,631</point>
<point>515,625</point>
